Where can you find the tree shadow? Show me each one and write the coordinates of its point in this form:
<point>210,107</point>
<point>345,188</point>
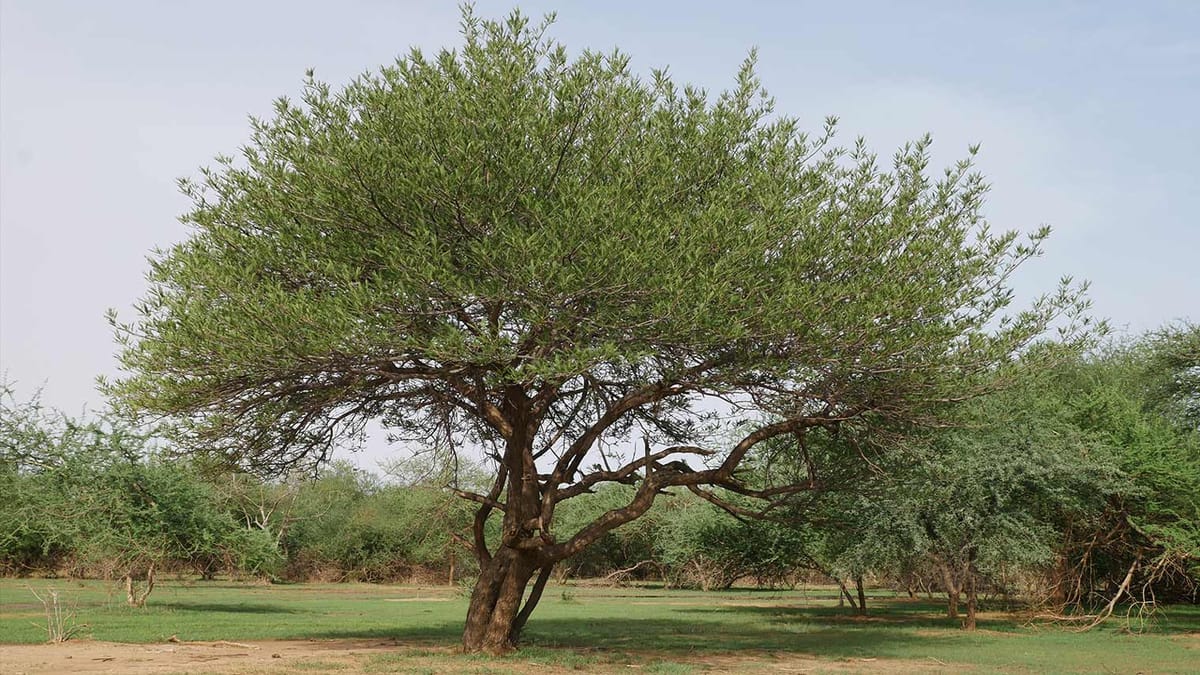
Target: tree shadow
<point>674,636</point>
<point>684,636</point>
<point>432,635</point>
<point>232,608</point>
<point>1178,619</point>
<point>828,631</point>
<point>909,615</point>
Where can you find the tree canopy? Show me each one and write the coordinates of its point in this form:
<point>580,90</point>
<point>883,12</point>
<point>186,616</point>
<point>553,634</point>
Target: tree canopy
<point>549,255</point>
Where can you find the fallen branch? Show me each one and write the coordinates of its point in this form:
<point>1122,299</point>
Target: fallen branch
<point>627,570</point>
<point>1121,590</point>
<point>227,643</point>
<point>219,643</point>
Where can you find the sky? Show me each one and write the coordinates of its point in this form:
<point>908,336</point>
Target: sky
<point>1088,114</point>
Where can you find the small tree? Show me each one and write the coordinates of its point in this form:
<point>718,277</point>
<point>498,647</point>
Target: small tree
<point>133,514</point>
<point>552,258</point>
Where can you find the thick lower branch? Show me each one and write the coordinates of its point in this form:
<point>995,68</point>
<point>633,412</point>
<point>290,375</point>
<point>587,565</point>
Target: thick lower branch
<point>478,498</point>
<point>534,597</point>
<point>481,515</point>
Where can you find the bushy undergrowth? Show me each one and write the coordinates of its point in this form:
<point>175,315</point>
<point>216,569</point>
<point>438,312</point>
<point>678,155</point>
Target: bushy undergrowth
<point>1069,489</point>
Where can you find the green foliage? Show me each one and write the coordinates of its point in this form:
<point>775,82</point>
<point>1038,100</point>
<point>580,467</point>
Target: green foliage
<point>706,547</point>
<point>507,246</point>
<point>1170,369</point>
<point>1082,450</point>
<point>1073,470</point>
<point>350,525</point>
<point>1000,486</point>
<point>1134,399</point>
<point>95,495</point>
<point>683,540</point>
<point>622,548</point>
<point>417,243</point>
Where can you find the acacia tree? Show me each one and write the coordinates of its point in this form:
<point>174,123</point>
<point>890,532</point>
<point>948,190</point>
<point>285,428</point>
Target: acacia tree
<point>992,495</point>
<point>551,257</point>
<point>1137,401</point>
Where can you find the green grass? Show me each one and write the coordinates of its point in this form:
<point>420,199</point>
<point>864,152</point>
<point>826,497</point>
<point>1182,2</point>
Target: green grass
<point>594,628</point>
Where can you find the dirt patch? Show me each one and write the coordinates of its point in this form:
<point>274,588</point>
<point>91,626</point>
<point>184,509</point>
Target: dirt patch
<point>1188,640</point>
<point>87,656</point>
<point>358,656</point>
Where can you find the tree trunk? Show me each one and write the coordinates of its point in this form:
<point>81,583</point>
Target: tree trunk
<point>972,591</point>
<point>862,595</point>
<point>530,603</point>
<point>972,601</point>
<point>133,596</point>
<point>495,603</point>
<point>845,595</point>
<point>496,616</point>
<point>952,591</point>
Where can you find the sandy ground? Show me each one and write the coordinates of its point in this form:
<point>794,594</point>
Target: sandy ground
<point>87,656</point>
<point>353,656</point>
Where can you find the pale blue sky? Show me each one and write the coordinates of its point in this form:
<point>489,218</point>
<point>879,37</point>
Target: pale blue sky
<point>1088,114</point>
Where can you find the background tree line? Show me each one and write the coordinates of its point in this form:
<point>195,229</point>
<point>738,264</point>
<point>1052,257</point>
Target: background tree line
<point>1072,489</point>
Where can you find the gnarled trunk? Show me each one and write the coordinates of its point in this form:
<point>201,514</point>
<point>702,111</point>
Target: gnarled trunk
<point>952,590</point>
<point>496,616</point>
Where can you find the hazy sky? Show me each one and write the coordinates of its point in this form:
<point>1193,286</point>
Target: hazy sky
<point>1088,114</point>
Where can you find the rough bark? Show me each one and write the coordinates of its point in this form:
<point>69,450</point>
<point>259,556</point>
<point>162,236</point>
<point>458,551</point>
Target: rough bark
<point>530,603</point>
<point>495,603</point>
<point>495,616</point>
<point>952,590</point>
<point>862,596</point>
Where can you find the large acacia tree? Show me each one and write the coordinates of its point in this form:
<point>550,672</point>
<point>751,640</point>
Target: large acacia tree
<point>552,258</point>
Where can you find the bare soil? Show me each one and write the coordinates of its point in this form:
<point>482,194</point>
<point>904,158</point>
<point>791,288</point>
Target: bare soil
<point>276,657</point>
<point>87,656</point>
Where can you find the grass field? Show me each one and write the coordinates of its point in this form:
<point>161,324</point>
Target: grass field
<point>365,628</point>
